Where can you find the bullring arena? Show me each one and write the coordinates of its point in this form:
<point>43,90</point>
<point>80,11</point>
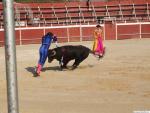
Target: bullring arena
<point>117,83</point>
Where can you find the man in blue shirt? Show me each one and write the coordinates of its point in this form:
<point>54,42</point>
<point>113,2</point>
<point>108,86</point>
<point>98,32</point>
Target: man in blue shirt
<point>43,51</point>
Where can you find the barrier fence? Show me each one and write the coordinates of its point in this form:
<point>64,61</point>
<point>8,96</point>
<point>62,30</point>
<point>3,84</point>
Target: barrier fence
<point>33,35</point>
<point>133,30</point>
<point>72,33</point>
<point>118,31</point>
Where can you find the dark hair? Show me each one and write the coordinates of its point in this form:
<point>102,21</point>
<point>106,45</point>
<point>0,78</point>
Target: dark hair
<point>50,33</point>
<point>98,26</point>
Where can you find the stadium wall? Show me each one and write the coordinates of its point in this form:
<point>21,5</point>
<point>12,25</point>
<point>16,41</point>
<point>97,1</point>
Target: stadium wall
<point>112,31</point>
<point>133,30</point>
<point>74,33</point>
<point>33,35</point>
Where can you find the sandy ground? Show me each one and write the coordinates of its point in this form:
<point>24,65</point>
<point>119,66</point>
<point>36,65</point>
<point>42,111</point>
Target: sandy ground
<point>118,83</point>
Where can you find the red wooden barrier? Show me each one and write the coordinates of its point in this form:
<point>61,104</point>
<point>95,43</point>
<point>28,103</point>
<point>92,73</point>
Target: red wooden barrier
<point>128,31</point>
<point>145,29</point>
<point>110,30</point>
<point>81,32</point>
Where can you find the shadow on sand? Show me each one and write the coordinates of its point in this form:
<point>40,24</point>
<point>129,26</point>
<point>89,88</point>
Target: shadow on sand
<point>55,68</point>
<point>33,69</point>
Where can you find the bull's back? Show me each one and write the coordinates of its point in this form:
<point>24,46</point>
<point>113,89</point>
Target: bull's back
<point>76,50</point>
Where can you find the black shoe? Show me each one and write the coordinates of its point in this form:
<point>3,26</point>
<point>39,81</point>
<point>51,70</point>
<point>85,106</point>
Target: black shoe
<point>100,56</point>
<point>36,75</point>
<point>104,51</point>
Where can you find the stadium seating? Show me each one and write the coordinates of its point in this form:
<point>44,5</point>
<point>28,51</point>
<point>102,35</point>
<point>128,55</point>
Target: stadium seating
<point>79,13</point>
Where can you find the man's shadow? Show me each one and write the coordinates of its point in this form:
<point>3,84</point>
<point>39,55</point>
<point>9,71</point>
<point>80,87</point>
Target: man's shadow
<point>33,69</point>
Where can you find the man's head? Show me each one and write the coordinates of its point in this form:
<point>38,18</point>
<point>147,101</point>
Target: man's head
<point>98,26</point>
<point>50,34</point>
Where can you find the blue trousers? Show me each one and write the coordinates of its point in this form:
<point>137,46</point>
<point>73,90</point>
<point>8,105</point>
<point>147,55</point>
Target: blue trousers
<point>43,51</point>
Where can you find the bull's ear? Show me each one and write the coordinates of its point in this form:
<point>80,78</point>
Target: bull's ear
<point>53,53</point>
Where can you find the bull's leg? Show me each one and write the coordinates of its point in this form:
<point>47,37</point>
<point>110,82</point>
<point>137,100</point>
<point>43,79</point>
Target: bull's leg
<point>79,60</point>
<point>76,63</point>
<point>63,63</point>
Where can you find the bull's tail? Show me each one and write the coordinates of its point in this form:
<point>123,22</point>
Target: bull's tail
<point>96,55</point>
<point>91,52</point>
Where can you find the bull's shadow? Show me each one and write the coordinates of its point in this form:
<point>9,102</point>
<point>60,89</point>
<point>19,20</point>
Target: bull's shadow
<point>55,68</point>
<point>69,68</point>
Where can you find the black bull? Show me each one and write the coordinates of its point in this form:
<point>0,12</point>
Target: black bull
<point>67,53</point>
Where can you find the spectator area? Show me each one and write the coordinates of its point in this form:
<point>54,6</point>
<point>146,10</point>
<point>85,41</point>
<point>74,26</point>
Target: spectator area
<point>70,13</point>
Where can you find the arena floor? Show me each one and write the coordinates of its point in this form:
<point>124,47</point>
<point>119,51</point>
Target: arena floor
<point>118,83</point>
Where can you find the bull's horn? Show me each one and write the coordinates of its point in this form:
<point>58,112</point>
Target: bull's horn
<point>53,53</point>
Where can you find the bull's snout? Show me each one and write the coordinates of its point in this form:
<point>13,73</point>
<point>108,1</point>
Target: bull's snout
<point>49,60</point>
